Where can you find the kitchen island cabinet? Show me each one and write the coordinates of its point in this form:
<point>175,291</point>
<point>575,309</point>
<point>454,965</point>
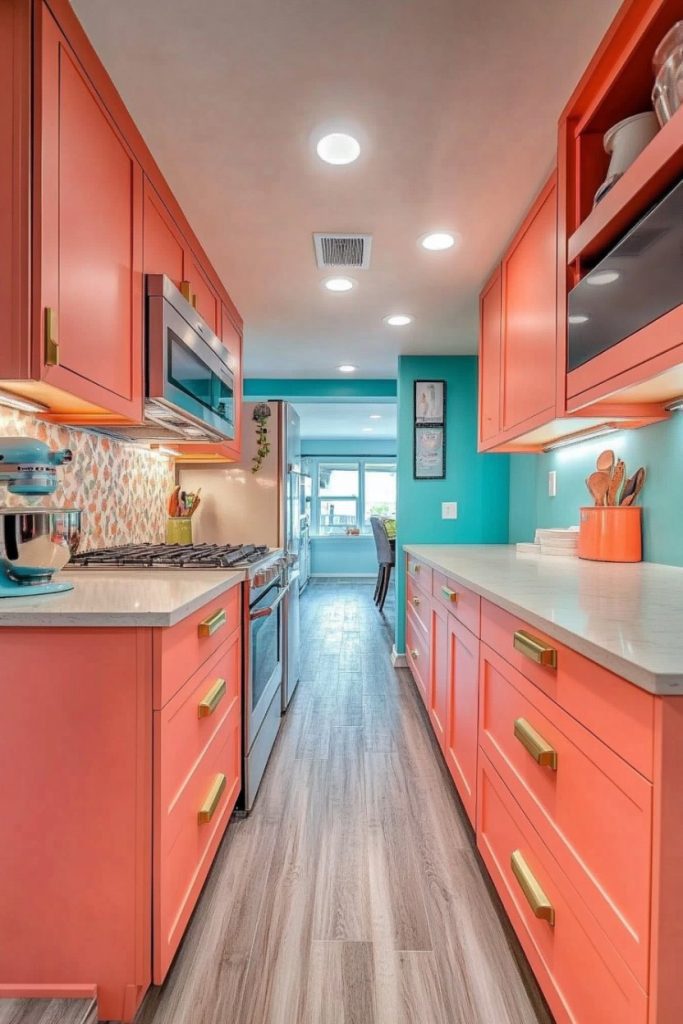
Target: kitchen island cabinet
<point>564,742</point>
<point>123,738</point>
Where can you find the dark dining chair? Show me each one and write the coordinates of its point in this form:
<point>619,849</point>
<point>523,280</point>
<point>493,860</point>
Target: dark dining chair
<point>386,559</point>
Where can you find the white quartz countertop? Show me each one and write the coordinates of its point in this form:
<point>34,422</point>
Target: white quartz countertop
<point>626,617</point>
<point>125,597</point>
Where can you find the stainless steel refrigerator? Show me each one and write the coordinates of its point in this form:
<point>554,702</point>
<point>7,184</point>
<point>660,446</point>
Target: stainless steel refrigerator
<point>239,506</point>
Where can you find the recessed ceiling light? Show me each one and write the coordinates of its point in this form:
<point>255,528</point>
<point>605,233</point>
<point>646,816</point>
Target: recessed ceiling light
<point>602,277</point>
<point>398,320</point>
<point>578,318</point>
<point>347,368</point>
<point>367,430</point>
<point>339,284</point>
<point>338,148</point>
<point>375,416</point>
<point>435,241</point>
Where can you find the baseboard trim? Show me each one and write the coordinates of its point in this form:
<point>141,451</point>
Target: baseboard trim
<point>398,660</point>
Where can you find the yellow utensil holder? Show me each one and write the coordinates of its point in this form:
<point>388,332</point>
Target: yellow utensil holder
<point>179,530</point>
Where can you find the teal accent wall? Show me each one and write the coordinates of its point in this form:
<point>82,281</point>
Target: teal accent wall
<point>320,389</point>
<point>479,483</point>
<point>659,448</point>
<point>343,556</point>
<point>358,447</point>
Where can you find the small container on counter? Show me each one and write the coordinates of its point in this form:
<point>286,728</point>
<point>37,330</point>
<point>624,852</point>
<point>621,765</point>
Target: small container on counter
<point>179,530</point>
<point>611,533</point>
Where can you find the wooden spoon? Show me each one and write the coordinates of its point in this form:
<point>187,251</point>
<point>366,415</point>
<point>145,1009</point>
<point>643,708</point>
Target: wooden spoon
<point>605,461</point>
<point>615,481</point>
<point>633,487</point>
<point>598,485</point>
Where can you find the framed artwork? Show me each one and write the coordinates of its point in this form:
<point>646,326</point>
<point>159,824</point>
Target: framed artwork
<point>429,453</point>
<point>429,428</point>
<point>430,402</point>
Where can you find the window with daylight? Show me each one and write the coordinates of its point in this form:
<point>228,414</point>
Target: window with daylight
<point>347,491</point>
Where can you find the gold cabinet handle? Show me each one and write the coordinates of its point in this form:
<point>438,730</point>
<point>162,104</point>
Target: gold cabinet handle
<point>534,894</point>
<point>449,594</point>
<point>51,338</point>
<point>416,602</point>
<point>212,699</point>
<point>540,750</point>
<point>206,811</point>
<point>414,653</point>
<point>535,649</point>
<point>414,567</point>
<point>186,291</point>
<point>214,622</point>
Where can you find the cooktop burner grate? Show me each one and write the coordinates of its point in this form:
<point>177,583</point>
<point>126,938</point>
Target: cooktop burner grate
<point>171,556</point>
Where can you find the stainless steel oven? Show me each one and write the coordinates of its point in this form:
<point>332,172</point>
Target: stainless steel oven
<point>263,657</point>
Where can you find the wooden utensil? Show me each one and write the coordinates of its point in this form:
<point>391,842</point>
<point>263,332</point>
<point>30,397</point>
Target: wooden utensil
<point>633,487</point>
<point>605,461</point>
<point>173,503</point>
<point>598,484</point>
<point>615,481</point>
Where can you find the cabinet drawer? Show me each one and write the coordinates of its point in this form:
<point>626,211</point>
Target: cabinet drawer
<point>592,810</point>
<point>188,722</point>
<point>182,649</point>
<point>184,844</point>
<point>582,976</point>
<point>421,574</point>
<point>418,602</point>
<point>621,714</point>
<point>417,652</point>
<point>460,602</point>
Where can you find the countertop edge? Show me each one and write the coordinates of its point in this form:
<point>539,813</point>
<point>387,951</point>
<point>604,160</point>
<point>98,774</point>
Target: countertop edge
<point>658,684</point>
<point>116,620</point>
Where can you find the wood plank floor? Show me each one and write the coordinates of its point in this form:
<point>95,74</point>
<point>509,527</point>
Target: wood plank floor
<point>48,1011</point>
<point>352,894</point>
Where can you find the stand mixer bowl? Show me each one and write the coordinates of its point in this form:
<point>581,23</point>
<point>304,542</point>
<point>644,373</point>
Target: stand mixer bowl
<point>35,543</point>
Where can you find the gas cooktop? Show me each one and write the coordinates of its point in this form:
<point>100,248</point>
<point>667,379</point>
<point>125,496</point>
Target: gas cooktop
<point>171,556</point>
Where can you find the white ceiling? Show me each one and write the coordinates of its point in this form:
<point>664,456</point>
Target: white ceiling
<point>348,421</point>
<point>455,103</point>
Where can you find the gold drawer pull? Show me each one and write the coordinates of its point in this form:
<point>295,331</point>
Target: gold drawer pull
<point>535,649</point>
<point>414,654</point>
<point>51,338</point>
<point>416,601</point>
<point>532,741</point>
<point>449,594</point>
<point>535,897</point>
<point>206,811</point>
<point>212,699</point>
<point>214,622</point>
<point>414,568</point>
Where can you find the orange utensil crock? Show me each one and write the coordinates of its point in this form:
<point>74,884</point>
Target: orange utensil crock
<point>611,533</point>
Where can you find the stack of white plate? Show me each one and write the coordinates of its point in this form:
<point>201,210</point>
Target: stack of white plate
<point>558,542</point>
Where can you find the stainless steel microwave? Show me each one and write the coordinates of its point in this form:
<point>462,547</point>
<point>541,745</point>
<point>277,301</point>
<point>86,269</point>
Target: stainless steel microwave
<point>189,381</point>
<point>638,281</point>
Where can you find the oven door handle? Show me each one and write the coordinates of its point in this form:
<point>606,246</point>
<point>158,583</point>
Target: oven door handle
<point>263,613</point>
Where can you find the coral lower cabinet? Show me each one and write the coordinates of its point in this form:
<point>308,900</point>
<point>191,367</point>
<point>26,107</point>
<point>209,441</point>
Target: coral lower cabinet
<point>571,778</point>
<point>124,747</point>
<point>88,214</point>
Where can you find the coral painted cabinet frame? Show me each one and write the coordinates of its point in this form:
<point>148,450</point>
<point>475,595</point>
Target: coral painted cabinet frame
<point>529,318</point>
<point>89,251</point>
<point>490,321</point>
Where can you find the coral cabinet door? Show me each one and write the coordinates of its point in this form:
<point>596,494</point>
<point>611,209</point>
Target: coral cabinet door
<point>163,244</point>
<point>529,336</point>
<point>90,196</point>
<point>438,671</point>
<point>204,298</point>
<point>461,741</point>
<point>490,313</point>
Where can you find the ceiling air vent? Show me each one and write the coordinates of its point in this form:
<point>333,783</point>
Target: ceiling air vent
<point>334,251</point>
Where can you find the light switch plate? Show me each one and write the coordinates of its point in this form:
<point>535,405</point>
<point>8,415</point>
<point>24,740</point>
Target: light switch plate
<point>552,483</point>
<point>449,510</point>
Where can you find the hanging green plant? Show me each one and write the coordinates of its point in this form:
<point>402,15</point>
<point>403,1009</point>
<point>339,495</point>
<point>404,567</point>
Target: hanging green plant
<point>260,416</point>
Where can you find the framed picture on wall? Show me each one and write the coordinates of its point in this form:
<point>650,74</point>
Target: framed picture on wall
<point>430,402</point>
<point>430,453</point>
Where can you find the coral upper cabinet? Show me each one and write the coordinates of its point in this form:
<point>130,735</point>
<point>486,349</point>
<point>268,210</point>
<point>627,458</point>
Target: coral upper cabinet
<point>91,240</point>
<point>88,215</point>
<point>518,330</point>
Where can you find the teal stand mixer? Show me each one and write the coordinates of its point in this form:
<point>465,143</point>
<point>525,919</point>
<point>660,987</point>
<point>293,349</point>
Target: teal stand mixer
<point>35,542</point>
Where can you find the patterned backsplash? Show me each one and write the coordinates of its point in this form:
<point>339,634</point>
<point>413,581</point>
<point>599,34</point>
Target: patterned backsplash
<point>123,490</point>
